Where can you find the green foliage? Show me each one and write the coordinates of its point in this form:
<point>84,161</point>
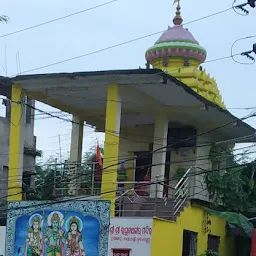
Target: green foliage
<point>234,218</point>
<point>234,188</point>
<point>180,173</point>
<point>44,181</point>
<point>121,174</point>
<point>211,253</point>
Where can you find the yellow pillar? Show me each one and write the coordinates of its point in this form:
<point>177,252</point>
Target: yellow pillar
<point>16,145</point>
<point>111,147</point>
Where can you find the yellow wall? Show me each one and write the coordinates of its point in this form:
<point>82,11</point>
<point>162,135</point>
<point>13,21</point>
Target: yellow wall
<point>167,237</point>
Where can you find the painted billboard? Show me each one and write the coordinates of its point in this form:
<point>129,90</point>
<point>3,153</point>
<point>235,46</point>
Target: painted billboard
<point>76,228</point>
<point>130,236</point>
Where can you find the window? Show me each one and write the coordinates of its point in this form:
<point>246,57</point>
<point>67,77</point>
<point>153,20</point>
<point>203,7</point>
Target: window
<point>189,243</point>
<point>213,243</point>
<point>182,137</point>
<point>121,252</point>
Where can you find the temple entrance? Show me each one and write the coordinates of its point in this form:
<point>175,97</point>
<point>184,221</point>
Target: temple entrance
<point>142,172</point>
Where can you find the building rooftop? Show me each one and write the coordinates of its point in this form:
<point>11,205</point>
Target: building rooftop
<point>142,92</point>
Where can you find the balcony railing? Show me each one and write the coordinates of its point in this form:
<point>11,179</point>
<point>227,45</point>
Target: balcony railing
<point>133,199</point>
<point>76,180</point>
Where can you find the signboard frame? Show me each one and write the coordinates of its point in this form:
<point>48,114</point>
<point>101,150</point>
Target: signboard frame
<point>97,209</point>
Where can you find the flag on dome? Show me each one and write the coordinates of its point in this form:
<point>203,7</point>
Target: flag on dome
<point>176,1</point>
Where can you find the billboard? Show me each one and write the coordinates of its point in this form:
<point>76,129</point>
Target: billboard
<point>75,228</point>
<point>130,236</point>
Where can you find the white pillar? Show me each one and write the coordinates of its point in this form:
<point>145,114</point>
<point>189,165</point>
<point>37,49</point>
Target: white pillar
<point>159,157</point>
<point>203,148</point>
<point>76,140</point>
<point>75,154</point>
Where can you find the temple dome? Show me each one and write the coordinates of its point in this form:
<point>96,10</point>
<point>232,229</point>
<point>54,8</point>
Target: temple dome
<point>178,53</point>
<point>176,42</point>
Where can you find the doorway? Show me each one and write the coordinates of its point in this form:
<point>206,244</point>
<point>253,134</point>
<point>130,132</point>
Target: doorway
<point>142,171</point>
<point>189,243</point>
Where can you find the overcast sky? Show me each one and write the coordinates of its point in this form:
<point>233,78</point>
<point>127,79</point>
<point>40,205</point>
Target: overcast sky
<point>115,23</point>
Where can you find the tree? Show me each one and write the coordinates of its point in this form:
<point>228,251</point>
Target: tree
<point>88,171</point>
<point>232,189</point>
<point>44,179</point>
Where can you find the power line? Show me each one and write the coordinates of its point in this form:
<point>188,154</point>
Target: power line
<point>109,192</point>
<point>146,155</point>
<point>191,137</point>
<point>206,157</point>
<point>113,133</point>
<point>168,146</point>
<point>232,47</point>
<point>58,19</point>
<point>120,44</point>
<point>189,161</point>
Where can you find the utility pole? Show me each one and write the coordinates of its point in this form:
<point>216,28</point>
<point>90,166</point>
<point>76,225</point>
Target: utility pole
<point>252,4</point>
<point>248,54</point>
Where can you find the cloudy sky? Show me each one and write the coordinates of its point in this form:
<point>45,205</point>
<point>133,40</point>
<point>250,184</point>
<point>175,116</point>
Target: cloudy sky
<point>115,23</point>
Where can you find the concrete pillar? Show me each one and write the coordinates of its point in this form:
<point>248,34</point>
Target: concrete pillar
<point>202,160</point>
<point>76,140</point>
<point>159,158</point>
<point>17,124</point>
<point>111,147</point>
<point>75,154</point>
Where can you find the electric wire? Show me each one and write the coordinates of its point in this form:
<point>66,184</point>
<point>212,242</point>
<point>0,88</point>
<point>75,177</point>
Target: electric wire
<point>120,44</point>
<point>58,19</point>
<point>232,47</point>
<point>109,192</point>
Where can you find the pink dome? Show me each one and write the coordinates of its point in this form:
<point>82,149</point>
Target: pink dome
<point>176,41</point>
<point>176,32</point>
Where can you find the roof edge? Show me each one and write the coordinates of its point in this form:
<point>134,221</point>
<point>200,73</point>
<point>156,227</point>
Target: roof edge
<point>132,72</point>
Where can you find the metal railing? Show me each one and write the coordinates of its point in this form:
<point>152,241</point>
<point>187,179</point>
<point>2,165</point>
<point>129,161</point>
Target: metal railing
<point>73,179</point>
<point>182,190</point>
<point>143,199</point>
<point>131,203</point>
<point>133,199</point>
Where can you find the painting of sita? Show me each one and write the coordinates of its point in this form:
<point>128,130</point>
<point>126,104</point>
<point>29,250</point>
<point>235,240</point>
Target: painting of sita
<point>74,238</point>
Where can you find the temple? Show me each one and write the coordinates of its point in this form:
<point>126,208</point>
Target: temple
<point>161,126</point>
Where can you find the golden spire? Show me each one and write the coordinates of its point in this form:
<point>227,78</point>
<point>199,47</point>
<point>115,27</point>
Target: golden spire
<point>177,20</point>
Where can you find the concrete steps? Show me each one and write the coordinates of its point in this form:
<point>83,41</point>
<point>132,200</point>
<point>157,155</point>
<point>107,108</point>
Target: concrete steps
<point>148,207</point>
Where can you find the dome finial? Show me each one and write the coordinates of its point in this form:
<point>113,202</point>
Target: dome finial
<point>177,20</point>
